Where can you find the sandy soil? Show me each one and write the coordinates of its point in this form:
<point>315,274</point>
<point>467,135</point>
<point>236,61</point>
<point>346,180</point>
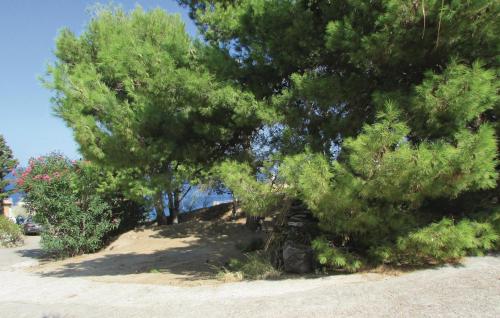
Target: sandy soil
<point>187,254</point>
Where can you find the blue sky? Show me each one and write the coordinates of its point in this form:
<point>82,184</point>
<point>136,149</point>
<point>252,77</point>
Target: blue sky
<point>27,32</point>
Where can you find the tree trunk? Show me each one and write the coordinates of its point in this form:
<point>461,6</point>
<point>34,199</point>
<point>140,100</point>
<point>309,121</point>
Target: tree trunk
<point>173,207</point>
<point>161,218</point>
<point>234,209</point>
<point>175,211</point>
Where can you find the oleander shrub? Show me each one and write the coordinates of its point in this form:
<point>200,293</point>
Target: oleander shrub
<point>63,197</point>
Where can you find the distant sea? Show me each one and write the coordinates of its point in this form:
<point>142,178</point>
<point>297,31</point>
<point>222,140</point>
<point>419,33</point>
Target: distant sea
<point>195,199</point>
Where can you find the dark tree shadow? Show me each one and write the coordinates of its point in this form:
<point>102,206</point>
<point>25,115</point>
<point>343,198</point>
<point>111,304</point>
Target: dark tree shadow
<point>33,253</point>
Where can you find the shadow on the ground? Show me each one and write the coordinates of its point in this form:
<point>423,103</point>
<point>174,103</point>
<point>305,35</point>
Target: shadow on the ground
<point>36,253</point>
<point>32,249</point>
<point>197,259</point>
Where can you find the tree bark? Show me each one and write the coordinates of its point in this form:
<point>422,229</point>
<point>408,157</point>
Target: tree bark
<point>161,218</point>
<point>173,207</point>
<point>175,211</point>
<point>234,209</point>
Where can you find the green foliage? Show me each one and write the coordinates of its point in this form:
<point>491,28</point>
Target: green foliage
<point>383,114</point>
<point>436,243</point>
<point>445,103</point>
<point>63,197</point>
<point>387,114</point>
<point>10,233</point>
<point>257,198</point>
<point>137,92</point>
<point>323,62</point>
<point>444,242</point>
<point>333,257</point>
<point>7,165</point>
<point>125,195</point>
<point>376,193</point>
<point>492,219</point>
<point>254,266</point>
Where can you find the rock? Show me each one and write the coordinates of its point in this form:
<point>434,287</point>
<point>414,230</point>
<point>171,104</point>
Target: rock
<point>297,258</point>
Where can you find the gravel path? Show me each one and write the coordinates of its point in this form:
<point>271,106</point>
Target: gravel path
<point>471,290</point>
<point>18,257</point>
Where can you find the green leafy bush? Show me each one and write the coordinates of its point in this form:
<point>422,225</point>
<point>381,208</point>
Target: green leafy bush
<point>63,195</point>
<point>10,233</point>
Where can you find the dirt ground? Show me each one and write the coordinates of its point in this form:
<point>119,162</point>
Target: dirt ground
<point>186,254</point>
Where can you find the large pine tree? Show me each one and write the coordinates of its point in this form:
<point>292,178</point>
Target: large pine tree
<point>138,94</point>
<point>386,115</point>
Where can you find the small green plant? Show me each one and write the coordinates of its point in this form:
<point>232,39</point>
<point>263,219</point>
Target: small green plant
<point>254,266</point>
<point>10,233</point>
<point>228,276</point>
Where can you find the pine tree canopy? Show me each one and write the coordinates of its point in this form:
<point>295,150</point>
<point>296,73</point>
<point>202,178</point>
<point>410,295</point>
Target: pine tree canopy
<point>137,93</point>
<point>329,66</point>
